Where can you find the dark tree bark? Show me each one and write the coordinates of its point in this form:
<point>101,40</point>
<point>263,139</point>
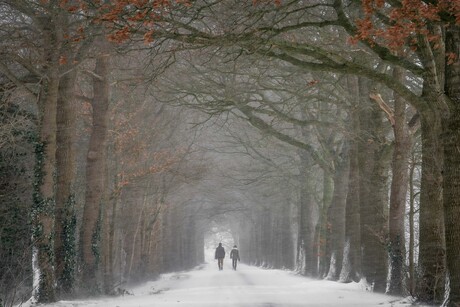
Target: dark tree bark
<point>44,200</point>
<point>451,181</point>
<point>285,242</point>
<point>378,203</point>
<point>323,231</point>
<point>373,164</point>
<point>44,195</point>
<point>351,268</point>
<point>95,178</point>
<point>45,41</point>
<point>307,212</point>
<point>432,246</point>
<point>399,184</point>
<point>65,220</point>
<point>337,213</point>
<point>411,254</point>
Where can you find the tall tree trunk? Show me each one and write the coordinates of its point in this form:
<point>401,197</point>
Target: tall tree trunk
<point>432,245</point>
<point>432,252</point>
<point>412,276</point>
<point>308,219</point>
<point>366,164</point>
<point>373,164</point>
<point>399,184</point>
<point>451,181</point>
<point>65,221</point>
<point>432,271</point>
<point>44,197</point>
<point>44,194</point>
<point>286,246</point>
<point>323,230</point>
<point>108,243</point>
<point>379,217</point>
<point>337,213</point>
<point>137,239</point>
<point>95,177</point>
<point>110,219</point>
<point>109,231</point>
<point>351,267</point>
<point>166,232</point>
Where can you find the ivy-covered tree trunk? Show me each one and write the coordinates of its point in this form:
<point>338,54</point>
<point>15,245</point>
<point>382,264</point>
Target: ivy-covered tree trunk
<point>44,197</point>
<point>65,222</point>
<point>90,244</point>
<point>451,182</point>
<point>44,194</point>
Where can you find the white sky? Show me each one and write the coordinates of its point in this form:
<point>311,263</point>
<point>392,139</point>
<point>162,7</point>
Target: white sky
<point>248,286</point>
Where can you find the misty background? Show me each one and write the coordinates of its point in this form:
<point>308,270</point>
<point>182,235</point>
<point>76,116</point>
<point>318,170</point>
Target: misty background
<point>135,135</point>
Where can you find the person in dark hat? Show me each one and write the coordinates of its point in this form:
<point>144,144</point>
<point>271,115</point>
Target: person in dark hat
<point>220,255</point>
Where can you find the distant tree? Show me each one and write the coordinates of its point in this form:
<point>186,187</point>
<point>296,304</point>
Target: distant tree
<point>351,266</point>
<point>273,107</point>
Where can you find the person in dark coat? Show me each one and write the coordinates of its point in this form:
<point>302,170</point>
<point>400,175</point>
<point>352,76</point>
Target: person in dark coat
<point>220,255</point>
<point>235,256</point>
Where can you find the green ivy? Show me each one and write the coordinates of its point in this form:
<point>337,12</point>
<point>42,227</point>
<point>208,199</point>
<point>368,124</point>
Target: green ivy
<point>16,185</point>
<point>43,294</point>
<point>69,245</point>
<point>38,177</point>
<point>42,206</point>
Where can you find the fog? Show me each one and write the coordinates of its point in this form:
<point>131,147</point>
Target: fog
<point>319,137</point>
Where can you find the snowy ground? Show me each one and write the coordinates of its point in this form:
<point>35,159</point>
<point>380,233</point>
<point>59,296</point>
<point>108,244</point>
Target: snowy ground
<point>248,287</point>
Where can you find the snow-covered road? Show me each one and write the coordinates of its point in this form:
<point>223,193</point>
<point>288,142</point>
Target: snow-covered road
<point>248,286</point>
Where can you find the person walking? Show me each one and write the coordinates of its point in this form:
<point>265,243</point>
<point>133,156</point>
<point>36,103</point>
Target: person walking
<point>235,256</point>
<point>220,255</point>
